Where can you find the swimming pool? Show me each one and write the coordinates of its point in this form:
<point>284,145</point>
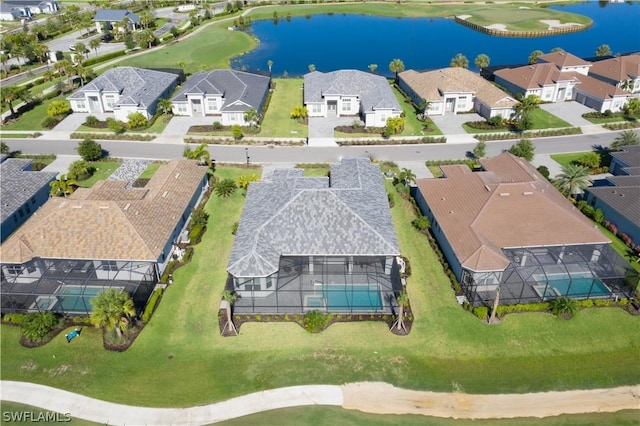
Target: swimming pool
<point>576,286</point>
<point>352,297</point>
<point>77,298</point>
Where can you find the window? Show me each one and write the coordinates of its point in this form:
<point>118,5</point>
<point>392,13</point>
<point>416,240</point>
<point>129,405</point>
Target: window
<point>232,117</point>
<point>80,105</point>
<point>110,101</point>
<point>182,108</point>
<point>346,105</point>
<point>13,269</point>
<point>269,282</point>
<point>252,287</point>
<point>316,108</point>
<point>109,265</point>
<point>212,104</point>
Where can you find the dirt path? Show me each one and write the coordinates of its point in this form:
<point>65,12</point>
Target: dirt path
<point>383,398</point>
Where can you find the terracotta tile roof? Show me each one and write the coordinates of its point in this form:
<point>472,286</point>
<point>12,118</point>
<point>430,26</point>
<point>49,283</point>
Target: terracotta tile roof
<point>619,69</point>
<point>108,221</point>
<point>432,85</point>
<point>535,76</point>
<point>563,59</point>
<point>598,88</point>
<point>507,205</point>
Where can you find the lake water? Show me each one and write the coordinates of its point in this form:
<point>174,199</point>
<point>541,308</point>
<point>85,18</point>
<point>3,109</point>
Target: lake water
<point>355,41</point>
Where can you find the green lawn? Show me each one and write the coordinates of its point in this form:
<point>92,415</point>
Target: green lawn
<point>277,121</point>
<point>104,169</point>
<point>413,127</point>
<point>32,120</point>
<point>604,120</point>
<point>150,171</point>
<point>181,360</point>
<point>543,120</point>
<point>568,158</point>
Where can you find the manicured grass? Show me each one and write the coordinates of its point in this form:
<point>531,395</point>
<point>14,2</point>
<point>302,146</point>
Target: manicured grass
<point>620,247</point>
<point>604,120</point>
<point>277,121</point>
<point>32,120</point>
<point>568,158</point>
<point>522,19</point>
<point>150,171</point>
<point>413,127</point>
<point>330,416</point>
<point>541,119</point>
<point>104,169</point>
<point>15,135</point>
<point>471,130</point>
<point>180,359</point>
<point>13,407</point>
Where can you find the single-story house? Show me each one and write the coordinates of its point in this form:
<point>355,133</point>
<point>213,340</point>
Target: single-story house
<point>506,228</point>
<point>124,90</point>
<point>619,199</point>
<point>25,9</point>
<point>107,19</point>
<point>322,243</point>
<point>621,71</point>
<point>350,93</point>
<point>227,94</point>
<point>22,192</point>
<point>456,90</point>
<point>544,80</point>
<point>566,62</point>
<point>106,236</point>
<point>599,95</point>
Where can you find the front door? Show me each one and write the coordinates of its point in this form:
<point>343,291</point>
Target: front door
<point>450,104</point>
<point>196,105</point>
<point>94,105</point>
<point>332,107</point>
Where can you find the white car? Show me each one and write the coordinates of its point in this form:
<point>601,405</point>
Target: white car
<point>72,48</point>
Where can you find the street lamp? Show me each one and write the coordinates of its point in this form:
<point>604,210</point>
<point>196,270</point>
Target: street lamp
<point>246,152</point>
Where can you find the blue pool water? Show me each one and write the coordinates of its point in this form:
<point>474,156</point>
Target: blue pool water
<point>73,299</point>
<point>352,297</point>
<point>577,286</point>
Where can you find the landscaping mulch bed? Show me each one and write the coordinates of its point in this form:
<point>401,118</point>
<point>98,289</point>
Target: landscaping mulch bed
<point>132,333</point>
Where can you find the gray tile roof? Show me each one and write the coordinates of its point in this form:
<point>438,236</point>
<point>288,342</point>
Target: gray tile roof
<point>347,214</point>
<point>19,185</point>
<point>136,86</point>
<point>115,15</point>
<point>241,90</point>
<point>374,90</point>
<point>630,156</point>
<point>623,199</point>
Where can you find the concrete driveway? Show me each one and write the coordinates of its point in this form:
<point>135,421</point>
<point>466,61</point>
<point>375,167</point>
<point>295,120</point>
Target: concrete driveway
<point>75,120</point>
<point>571,112</point>
<point>179,126</point>
<point>322,127</point>
<point>451,124</point>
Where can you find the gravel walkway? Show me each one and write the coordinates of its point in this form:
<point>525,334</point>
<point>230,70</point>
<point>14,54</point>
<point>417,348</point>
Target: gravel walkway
<point>129,170</point>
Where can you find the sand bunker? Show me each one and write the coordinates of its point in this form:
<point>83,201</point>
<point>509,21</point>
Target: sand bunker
<point>464,17</point>
<point>555,24</point>
<point>499,27</point>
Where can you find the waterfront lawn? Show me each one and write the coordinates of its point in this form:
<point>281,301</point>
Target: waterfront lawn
<point>180,359</point>
<point>103,169</point>
<point>277,121</point>
<point>543,120</point>
<point>212,47</point>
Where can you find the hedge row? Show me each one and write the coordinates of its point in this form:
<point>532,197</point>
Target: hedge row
<point>103,58</point>
<point>109,136</point>
<point>151,305</point>
<point>528,135</point>
<point>244,142</point>
<point>424,140</point>
<point>622,125</point>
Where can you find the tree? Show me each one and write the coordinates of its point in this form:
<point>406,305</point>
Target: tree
<point>480,150</point>
<point>533,56</point>
<point>252,117</point>
<point>403,300</point>
<point>81,49</point>
<point>603,50</point>
<point>312,67</point>
<point>236,130</point>
<point>11,94</point>
<point>523,149</point>
<point>270,65</point>
<point>459,61</point>
<point>373,67</point>
<point>524,110</point>
<point>64,67</point>
<point>230,297</point>
<point>396,66</point>
<point>564,306</point>
<point>79,170</point>
<point>201,153</point>
<point>89,150</point>
<point>406,176</point>
<point>590,160</point>
<point>573,179</point>
<point>145,39</point>
<point>632,108</point>
<point>4,58</point>
<point>58,107</point>
<point>245,180</point>
<point>225,188</point>
<point>557,49</point>
<point>482,61</point>
<point>136,120</point>
<point>94,44</point>
<point>112,309</point>
<point>626,138</point>
<point>165,106</point>
<point>146,18</point>
<point>4,149</point>
<point>62,187</point>
<point>394,126</point>
<point>37,325</point>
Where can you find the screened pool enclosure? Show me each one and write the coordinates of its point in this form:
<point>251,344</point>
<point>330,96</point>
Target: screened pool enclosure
<point>337,284</point>
<point>541,274</point>
<point>67,286</point>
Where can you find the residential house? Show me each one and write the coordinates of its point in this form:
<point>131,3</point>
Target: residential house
<point>225,95</point>
<point>599,95</point>
<point>456,90</point>
<point>22,192</point>
<point>566,62</point>
<point>25,9</point>
<point>323,243</point>
<point>619,197</point>
<point>108,236</point>
<point>350,93</point>
<point>124,90</point>
<point>108,19</point>
<point>507,229</point>
<point>543,80</point>
<point>621,71</point>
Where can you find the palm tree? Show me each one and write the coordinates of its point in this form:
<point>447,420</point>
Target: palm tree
<point>396,66</point>
<point>494,310</point>
<point>81,49</point>
<point>373,67</point>
<point>4,58</point>
<point>525,108</point>
<point>406,176</point>
<point>230,297</point>
<point>459,61</point>
<point>94,44</point>
<point>201,153</point>
<point>112,310</point>
<point>10,94</point>
<point>270,64</point>
<point>64,67</point>
<point>251,116</point>
<point>402,299</point>
<point>573,180</point>
<point>145,38</point>
<point>626,85</point>
<point>312,67</point>
<point>564,306</point>
<point>225,188</point>
<point>533,56</point>
<point>482,61</point>
<point>165,106</point>
<point>603,50</point>
<point>62,187</point>
<point>626,138</point>
<point>146,18</point>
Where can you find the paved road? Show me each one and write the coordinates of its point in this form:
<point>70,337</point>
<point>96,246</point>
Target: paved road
<point>264,154</point>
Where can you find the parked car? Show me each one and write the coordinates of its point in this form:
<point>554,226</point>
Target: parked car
<point>72,48</point>
<point>107,38</point>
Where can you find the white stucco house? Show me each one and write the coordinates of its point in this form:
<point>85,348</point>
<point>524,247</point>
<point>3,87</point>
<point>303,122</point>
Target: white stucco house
<point>107,19</point>
<point>124,90</point>
<point>456,90</point>
<point>350,93</point>
<point>25,9</point>
<point>621,71</point>
<point>225,95</point>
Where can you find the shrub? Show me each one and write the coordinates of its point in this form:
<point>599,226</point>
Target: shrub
<point>116,126</point>
<point>234,228</point>
<point>481,312</point>
<point>217,125</point>
<point>80,170</point>
<point>590,160</point>
<point>589,211</point>
<point>299,112</point>
<point>626,239</point>
<point>91,121</point>
<point>524,149</point>
<point>237,132</point>
<point>136,120</point>
<point>544,171</point>
<point>421,223</point>
<point>199,216</point>
<point>196,233</point>
<point>15,318</point>
<point>59,107</point>
<point>151,304</point>
<point>50,122</point>
<point>564,306</point>
<point>315,321</point>
<point>598,216</point>
<point>89,150</point>
<point>103,58</point>
<point>390,197</point>
<point>38,325</point>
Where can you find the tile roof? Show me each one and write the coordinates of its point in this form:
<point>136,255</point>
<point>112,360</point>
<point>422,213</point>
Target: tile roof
<point>293,215</point>
<point>432,85</point>
<point>630,156</point>
<point>623,199</point>
<point>598,88</point>
<point>136,86</point>
<point>373,90</point>
<point>508,205</point>
<point>241,90</point>
<point>619,68</point>
<point>563,59</point>
<point>535,76</point>
<point>18,185</point>
<point>115,15</point>
<point>108,221</point>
